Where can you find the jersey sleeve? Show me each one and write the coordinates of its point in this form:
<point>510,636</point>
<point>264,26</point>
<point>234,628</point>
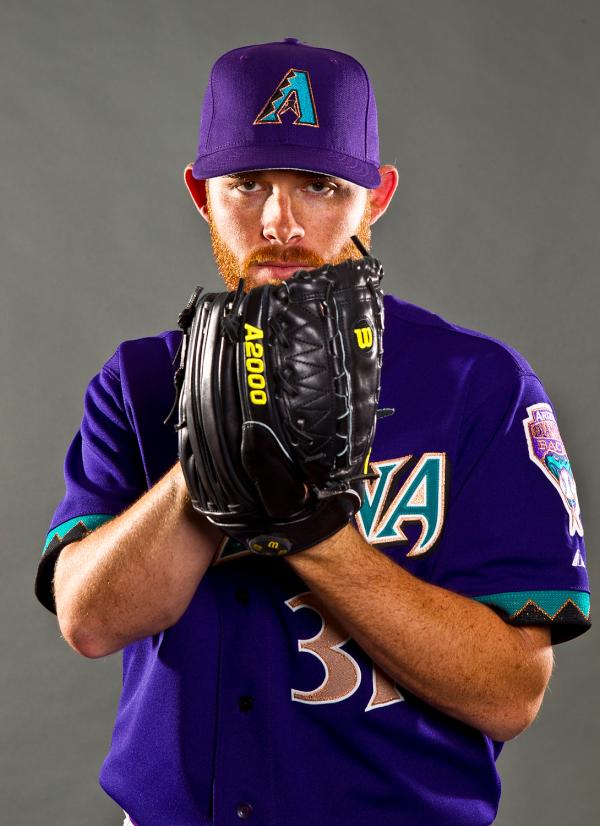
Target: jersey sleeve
<point>103,474</point>
<point>513,535</point>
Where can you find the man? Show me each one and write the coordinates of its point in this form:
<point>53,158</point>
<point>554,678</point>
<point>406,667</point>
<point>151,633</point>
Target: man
<point>430,620</point>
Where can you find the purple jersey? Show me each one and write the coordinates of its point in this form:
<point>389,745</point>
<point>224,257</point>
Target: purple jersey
<point>256,704</point>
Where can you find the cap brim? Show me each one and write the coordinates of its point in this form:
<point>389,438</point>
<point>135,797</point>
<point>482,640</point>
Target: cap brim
<point>287,156</point>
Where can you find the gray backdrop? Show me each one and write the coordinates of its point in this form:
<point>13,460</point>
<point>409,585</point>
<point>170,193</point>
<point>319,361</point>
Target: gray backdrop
<point>491,113</point>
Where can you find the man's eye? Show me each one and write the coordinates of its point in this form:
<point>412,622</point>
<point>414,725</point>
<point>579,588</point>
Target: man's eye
<point>323,186</point>
<point>247,185</point>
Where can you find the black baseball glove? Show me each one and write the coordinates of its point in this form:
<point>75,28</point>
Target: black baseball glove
<point>277,393</point>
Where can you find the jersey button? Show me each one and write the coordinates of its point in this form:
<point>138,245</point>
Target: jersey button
<point>246,703</point>
<point>242,596</point>
<point>244,810</point>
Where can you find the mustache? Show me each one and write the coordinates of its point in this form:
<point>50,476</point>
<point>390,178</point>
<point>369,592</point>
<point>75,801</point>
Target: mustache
<point>292,255</point>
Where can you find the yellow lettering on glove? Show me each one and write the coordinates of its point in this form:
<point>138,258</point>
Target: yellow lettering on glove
<point>255,366</point>
<point>252,332</point>
<point>364,337</point>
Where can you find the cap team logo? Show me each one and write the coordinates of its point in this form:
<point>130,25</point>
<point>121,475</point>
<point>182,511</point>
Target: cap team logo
<point>547,451</point>
<point>294,91</point>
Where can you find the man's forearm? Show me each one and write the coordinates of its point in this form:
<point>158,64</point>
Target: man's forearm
<point>135,575</point>
<point>450,651</point>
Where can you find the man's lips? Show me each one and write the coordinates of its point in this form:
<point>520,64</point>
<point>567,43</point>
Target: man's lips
<point>278,270</point>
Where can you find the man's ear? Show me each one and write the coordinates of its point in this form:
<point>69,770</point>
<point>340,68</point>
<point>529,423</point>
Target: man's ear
<point>197,189</point>
<point>382,195</point>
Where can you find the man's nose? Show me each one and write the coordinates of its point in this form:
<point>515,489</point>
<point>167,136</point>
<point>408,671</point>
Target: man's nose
<point>280,223</point>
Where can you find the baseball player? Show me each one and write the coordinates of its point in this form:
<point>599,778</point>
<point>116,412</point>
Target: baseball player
<point>374,676</point>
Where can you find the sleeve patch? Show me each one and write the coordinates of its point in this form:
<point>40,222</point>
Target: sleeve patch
<point>547,451</point>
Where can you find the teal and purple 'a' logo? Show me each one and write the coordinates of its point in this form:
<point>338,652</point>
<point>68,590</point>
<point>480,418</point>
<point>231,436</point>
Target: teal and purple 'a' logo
<point>294,92</point>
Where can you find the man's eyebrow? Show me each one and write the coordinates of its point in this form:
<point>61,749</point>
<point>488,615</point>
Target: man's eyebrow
<point>238,175</point>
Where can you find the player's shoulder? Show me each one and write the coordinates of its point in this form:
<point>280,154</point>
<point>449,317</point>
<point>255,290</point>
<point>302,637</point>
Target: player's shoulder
<point>440,344</point>
<point>156,351</point>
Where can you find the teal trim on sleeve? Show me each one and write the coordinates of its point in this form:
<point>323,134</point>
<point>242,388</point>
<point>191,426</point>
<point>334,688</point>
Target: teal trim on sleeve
<point>550,603</point>
<point>90,520</point>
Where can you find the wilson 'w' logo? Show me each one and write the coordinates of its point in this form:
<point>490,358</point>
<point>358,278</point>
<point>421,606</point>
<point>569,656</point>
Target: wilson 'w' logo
<point>364,337</point>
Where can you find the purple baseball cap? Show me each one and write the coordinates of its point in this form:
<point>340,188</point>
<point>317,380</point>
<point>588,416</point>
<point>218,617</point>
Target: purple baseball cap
<point>289,105</point>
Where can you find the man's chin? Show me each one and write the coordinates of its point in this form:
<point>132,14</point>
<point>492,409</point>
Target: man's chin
<point>251,281</point>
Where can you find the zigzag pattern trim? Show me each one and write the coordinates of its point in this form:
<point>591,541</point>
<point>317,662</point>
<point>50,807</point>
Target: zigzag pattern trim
<point>90,521</point>
<point>542,606</point>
